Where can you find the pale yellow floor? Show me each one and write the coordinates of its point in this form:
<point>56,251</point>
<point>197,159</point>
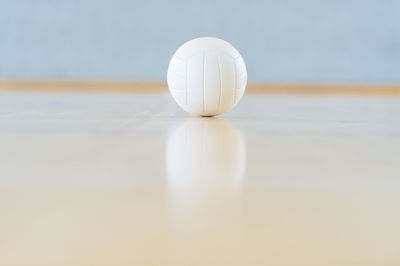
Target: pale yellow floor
<point>129,179</point>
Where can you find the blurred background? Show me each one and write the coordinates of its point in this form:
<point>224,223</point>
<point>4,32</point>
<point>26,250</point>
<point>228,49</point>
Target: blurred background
<point>309,41</point>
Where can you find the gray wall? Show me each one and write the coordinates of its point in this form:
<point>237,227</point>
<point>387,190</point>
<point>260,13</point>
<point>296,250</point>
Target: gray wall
<point>345,41</point>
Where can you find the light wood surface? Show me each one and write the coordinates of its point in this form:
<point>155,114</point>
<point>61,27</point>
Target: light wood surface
<point>130,179</point>
<point>374,90</point>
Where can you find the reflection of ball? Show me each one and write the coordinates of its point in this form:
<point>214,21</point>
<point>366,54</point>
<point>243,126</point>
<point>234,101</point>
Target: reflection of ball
<point>207,76</point>
<point>205,153</point>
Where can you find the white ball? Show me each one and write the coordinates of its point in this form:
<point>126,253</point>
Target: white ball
<point>207,76</point>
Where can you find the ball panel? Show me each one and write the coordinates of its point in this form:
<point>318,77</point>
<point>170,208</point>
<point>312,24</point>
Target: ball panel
<point>177,66</point>
<point>241,78</point>
<point>176,78</point>
<point>227,83</point>
<point>195,84</point>
<point>242,81</point>
<point>212,84</point>
<point>176,82</point>
<point>180,97</point>
<point>240,66</point>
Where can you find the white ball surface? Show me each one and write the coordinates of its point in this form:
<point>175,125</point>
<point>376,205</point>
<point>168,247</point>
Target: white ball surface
<point>207,76</point>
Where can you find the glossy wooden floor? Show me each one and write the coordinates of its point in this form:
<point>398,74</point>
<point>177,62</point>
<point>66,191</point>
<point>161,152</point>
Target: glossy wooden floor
<point>129,179</point>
